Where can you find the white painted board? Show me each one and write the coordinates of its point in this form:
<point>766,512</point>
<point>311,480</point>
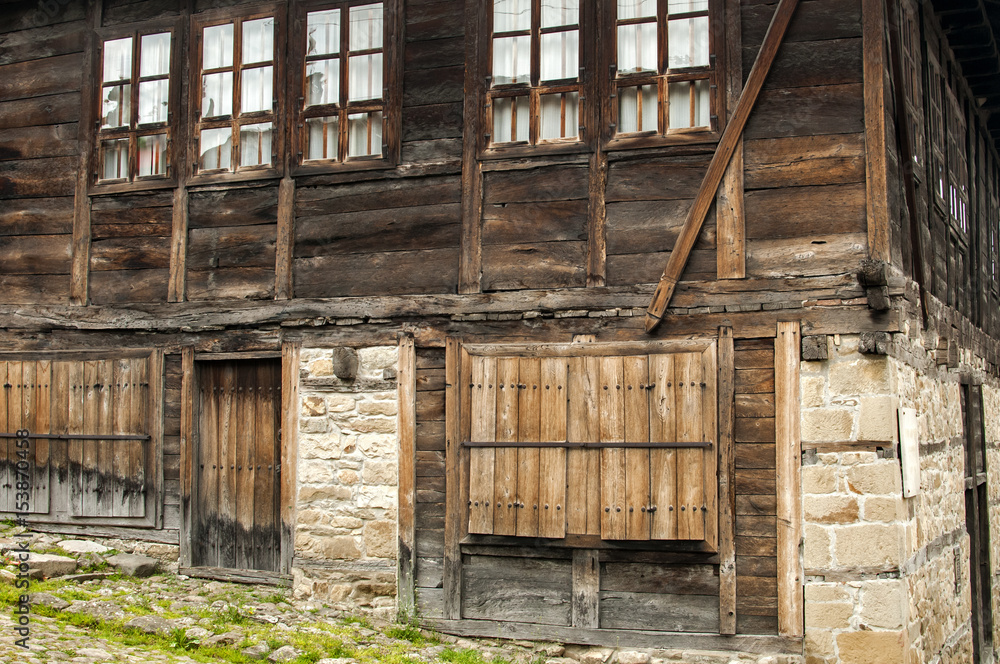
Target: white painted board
<point>909,451</point>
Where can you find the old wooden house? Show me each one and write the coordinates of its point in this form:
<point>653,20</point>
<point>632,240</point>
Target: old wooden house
<point>365,297</point>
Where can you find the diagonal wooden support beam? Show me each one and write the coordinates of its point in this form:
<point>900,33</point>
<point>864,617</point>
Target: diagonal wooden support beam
<point>730,138</point>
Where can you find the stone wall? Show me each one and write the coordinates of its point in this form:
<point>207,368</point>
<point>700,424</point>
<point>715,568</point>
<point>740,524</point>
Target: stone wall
<point>991,417</point>
<point>885,575</point>
<point>345,536</point>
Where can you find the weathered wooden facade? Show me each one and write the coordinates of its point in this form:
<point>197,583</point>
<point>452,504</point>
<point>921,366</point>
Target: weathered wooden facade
<point>353,295</point>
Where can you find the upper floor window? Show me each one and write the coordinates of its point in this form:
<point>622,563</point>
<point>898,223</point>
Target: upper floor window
<point>535,90</point>
<point>344,96</point>
<point>237,77</point>
<point>663,66</point>
<point>133,134</point>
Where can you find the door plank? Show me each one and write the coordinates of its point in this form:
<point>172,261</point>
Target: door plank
<point>505,489</point>
<point>137,450</point>
<point>6,469</point>
<point>528,430</point>
<point>482,459</point>
<point>76,423</point>
<point>246,436</point>
<point>636,375</point>
<point>60,404</point>
<point>612,429</point>
<point>206,544</point>
<point>663,462</point>
<point>105,448</point>
<point>690,465</point>
<point>226,511</point>
<point>552,461</point>
<point>42,404</point>
<point>121,402</point>
<point>583,495</point>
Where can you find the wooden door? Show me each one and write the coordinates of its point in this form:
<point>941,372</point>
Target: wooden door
<point>237,473</point>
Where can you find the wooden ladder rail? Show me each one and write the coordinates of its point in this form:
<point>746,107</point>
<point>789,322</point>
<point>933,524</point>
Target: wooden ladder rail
<point>720,160</point>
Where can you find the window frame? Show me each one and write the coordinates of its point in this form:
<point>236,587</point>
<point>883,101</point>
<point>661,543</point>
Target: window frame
<point>390,103</point>
<point>277,115</point>
<point>172,126</point>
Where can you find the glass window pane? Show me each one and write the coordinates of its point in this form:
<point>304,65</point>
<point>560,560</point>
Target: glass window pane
<point>255,144</point>
<point>511,60</point>
<point>322,135</point>
<point>323,32</point>
<point>560,116</point>
<point>217,46</point>
<point>116,102</point>
<point>687,42</point>
<point>560,12</point>
<point>114,159</point>
<point>366,27</point>
<point>217,95</point>
<point>683,6</point>
<point>216,149</point>
<point>154,55</point>
<point>636,9</point>
<point>637,109</point>
<point>257,93</point>
<point>560,52</point>
<point>636,48</point>
<point>323,82</point>
<point>118,59</point>
<point>689,104</point>
<point>258,40</point>
<point>364,134</point>
<point>510,119</point>
<point>153,155</point>
<point>364,77</point>
<point>153,97</point>
<point>511,15</point>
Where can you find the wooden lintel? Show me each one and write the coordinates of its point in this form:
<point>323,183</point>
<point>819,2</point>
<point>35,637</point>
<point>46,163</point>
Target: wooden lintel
<point>717,168</point>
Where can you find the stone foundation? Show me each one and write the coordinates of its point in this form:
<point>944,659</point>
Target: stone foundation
<point>345,533</point>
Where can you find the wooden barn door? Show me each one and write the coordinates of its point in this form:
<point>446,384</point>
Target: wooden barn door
<point>237,466</point>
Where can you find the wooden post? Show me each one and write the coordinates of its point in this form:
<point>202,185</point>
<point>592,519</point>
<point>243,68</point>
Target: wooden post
<point>788,464</point>
<point>727,486</point>
<point>586,588</point>
<point>727,145</point>
<point>876,175</point>
<point>154,466</point>
<point>406,558</point>
<point>290,351</point>
<point>177,279</point>
<point>453,510</point>
<point>285,245</point>
<point>187,437</point>
<point>730,219</point>
<point>471,254</point>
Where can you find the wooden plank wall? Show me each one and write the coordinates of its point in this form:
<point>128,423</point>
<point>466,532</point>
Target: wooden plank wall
<point>756,528</point>
<point>430,471</point>
<point>172,443</point>
<point>130,247</point>
<point>40,79</point>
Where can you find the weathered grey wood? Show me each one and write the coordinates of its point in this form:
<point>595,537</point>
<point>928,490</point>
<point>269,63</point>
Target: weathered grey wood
<point>517,589</point>
<point>670,613</point>
<point>586,580</point>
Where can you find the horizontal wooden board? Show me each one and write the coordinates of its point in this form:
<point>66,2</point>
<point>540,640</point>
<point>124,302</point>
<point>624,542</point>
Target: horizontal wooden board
<point>754,381</point>
<point>538,265</point>
<point>545,183</point>
<point>655,179</point>
<point>754,605</point>
<point>756,566</point>
<point>241,206</point>
<point>757,358</point>
<point>238,246</point>
<point>805,211</point>
<point>420,227</point>
<point>809,256</point>
<point>251,283</point>
<point>797,161</point>
<point>746,624</point>
<point>670,613</point>
<point>643,226</point>
<point>756,546</point>
<point>430,379</point>
<point>756,526</point>
<point>432,121</point>
<point>42,42</point>
<point>754,405</point>
<point>377,195</point>
<point>755,455</point>
<point>430,543</point>
<point>518,589</point>
<point>756,504</point>
<point>434,19</point>
<point>434,86</point>
<point>434,53</point>
<point>430,406</point>
<point>444,153</point>
<point>37,216</point>
<point>50,109</point>
<point>45,76</point>
<point>755,481</point>
<point>754,430</point>
<point>55,140</point>
<point>119,286</point>
<point>127,12</point>
<point>34,288</point>
<point>389,273</point>
<point>35,254</point>
<point>826,109</point>
<point>524,223</point>
<point>651,578</point>
<point>130,253</point>
<point>800,64</point>
<point>813,20</point>
<point>429,573</point>
<point>629,269</point>
<point>54,176</point>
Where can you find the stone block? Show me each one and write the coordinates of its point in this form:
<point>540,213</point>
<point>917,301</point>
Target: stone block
<point>871,647</point>
<point>819,479</point>
<point>817,547</point>
<point>308,494</point>
<point>377,445</point>
<point>337,547</point>
<point>150,625</point>
<point>131,564</point>
<point>82,546</point>
<point>347,477</point>
<point>883,508</point>
<point>827,425</point>
<point>882,604</point>
<point>830,509</point>
<point>868,375</point>
<point>340,403</point>
<point>825,592</point>
<point>380,539</point>
<point>321,368</point>
<point>875,478</point>
<point>374,425</point>
<point>315,471</point>
<point>813,390</point>
<point>313,406</point>
<point>378,408</point>
<point>379,471</point>
<point>868,545</point>
<point>877,419</point>
<point>313,425</point>
<point>828,615</point>
<point>819,643</point>
<point>47,565</point>
<point>378,357</point>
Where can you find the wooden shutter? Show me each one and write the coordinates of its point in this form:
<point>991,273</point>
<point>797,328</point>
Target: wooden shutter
<point>638,453</point>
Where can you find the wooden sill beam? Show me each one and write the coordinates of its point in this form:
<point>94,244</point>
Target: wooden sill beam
<point>720,160</point>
